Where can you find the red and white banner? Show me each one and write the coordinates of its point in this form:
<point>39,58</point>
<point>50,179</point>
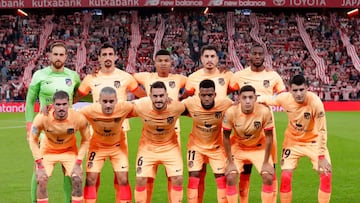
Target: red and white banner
<point>177,3</point>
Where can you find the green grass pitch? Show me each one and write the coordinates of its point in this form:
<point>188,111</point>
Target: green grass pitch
<point>343,142</point>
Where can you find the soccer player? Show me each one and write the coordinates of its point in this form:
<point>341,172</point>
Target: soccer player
<point>252,141</point>
<point>305,135</point>
<point>59,145</point>
<point>209,59</point>
<point>158,143</point>
<point>108,141</point>
<point>205,140</point>
<point>109,76</point>
<point>267,83</point>
<point>173,83</point>
<point>44,84</point>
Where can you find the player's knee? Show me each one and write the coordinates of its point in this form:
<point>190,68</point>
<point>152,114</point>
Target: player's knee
<point>247,169</point>
<point>267,178</point>
<point>194,174</point>
<point>122,179</point>
<point>141,181</point>
<point>177,180</point>
<point>42,181</point>
<point>286,178</point>
<point>231,178</point>
<point>76,186</point>
<point>91,180</point>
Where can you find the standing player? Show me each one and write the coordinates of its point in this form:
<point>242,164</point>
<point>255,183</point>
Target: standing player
<point>158,143</point>
<point>267,83</point>
<point>109,76</point>
<point>59,145</point>
<point>205,140</point>
<point>305,135</point>
<point>107,141</point>
<point>209,59</point>
<point>251,143</point>
<point>173,83</point>
<point>44,84</point>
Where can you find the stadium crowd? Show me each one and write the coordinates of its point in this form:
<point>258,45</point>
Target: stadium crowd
<point>183,33</point>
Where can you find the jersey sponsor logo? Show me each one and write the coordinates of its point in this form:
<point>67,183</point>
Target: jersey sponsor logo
<point>218,114</point>
<point>257,124</point>
<point>170,119</point>
<point>221,81</point>
<point>266,83</point>
<point>307,115</point>
<point>59,140</point>
<point>90,164</point>
<point>172,84</point>
<point>70,131</point>
<point>207,125</point>
<point>68,82</point>
<point>117,83</point>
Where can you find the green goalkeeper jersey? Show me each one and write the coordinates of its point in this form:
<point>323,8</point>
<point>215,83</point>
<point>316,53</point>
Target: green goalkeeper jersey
<point>45,83</point>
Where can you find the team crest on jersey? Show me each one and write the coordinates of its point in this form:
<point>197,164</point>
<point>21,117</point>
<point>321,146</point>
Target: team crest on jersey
<point>221,81</point>
<point>191,164</point>
<point>170,120</point>
<point>172,84</point>
<point>257,124</point>
<point>70,131</point>
<point>218,114</point>
<point>266,83</point>
<point>138,170</point>
<point>307,115</point>
<point>118,119</point>
<point>116,83</point>
<point>68,82</point>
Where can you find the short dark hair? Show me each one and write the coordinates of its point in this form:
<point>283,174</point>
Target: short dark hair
<point>158,84</point>
<point>105,46</point>
<point>58,44</point>
<point>108,91</point>
<point>255,46</point>
<point>60,95</point>
<point>207,84</point>
<point>298,80</point>
<point>247,88</point>
<point>208,47</point>
<point>162,52</point>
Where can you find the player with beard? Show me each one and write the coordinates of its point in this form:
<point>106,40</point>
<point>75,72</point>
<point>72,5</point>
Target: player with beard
<point>121,81</point>
<point>173,82</point>
<point>107,141</point>
<point>267,83</point>
<point>205,140</point>
<point>59,145</point>
<point>158,142</point>
<point>209,59</point>
<point>44,84</point>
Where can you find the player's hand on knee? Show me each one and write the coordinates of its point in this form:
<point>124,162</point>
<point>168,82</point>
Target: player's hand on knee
<point>77,171</point>
<point>324,166</point>
<point>41,176</point>
<point>230,168</point>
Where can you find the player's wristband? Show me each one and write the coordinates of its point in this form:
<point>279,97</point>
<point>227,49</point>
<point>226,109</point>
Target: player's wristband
<point>38,161</point>
<point>321,157</point>
<point>78,161</point>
